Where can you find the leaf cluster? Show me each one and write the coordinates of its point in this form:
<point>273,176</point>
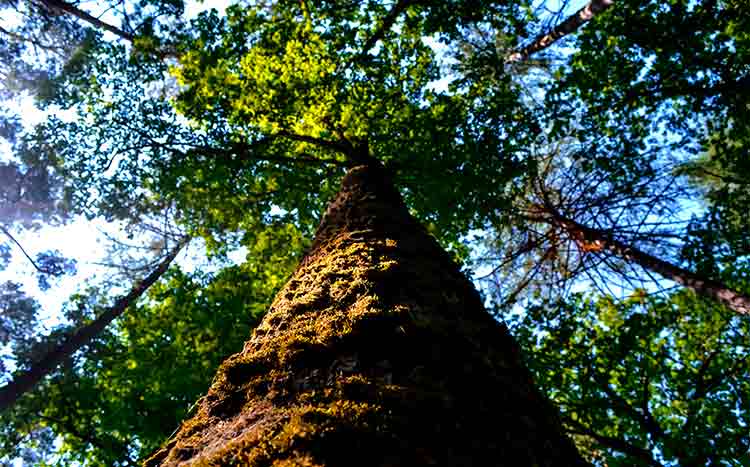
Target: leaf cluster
<point>649,381</point>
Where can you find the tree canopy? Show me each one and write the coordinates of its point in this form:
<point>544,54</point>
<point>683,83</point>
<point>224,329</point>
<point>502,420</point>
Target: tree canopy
<point>588,161</point>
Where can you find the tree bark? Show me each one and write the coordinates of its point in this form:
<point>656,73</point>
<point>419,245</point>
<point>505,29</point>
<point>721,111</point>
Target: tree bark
<point>26,380</point>
<point>377,352</point>
<point>570,25</point>
<point>696,282</point>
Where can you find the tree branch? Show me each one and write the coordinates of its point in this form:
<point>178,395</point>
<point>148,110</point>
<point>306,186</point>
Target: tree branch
<point>72,10</point>
<point>648,423</point>
<point>691,280</point>
<point>25,253</point>
<point>385,26</point>
<point>344,148</point>
<point>613,443</point>
<point>570,25</point>
<point>32,41</point>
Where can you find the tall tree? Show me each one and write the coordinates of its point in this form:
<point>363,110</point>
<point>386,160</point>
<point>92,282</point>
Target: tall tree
<point>278,98</point>
<point>377,351</point>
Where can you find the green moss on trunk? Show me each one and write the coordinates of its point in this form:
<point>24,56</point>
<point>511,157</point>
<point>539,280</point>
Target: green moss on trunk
<point>377,352</point>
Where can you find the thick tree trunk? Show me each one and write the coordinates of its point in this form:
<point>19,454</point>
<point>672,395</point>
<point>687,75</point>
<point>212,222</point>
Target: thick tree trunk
<point>377,352</point>
<point>701,285</point>
<point>26,380</point>
<point>571,24</point>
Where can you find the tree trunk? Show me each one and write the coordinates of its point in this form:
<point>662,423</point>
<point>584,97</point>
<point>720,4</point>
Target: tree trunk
<point>571,24</point>
<point>377,352</point>
<point>701,285</point>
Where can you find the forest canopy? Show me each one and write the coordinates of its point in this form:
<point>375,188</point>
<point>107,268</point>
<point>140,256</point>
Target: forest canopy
<point>585,162</point>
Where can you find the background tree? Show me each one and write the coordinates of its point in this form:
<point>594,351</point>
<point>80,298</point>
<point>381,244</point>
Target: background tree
<point>43,46</point>
<point>572,221</point>
<point>614,148</point>
<point>27,376</point>
<point>649,381</point>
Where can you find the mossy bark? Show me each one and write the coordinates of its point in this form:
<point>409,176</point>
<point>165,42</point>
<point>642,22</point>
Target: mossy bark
<point>377,352</point>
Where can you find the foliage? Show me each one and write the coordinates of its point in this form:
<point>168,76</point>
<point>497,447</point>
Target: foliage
<point>4,256</point>
<point>686,75</point>
<point>284,129</point>
<point>719,239</point>
<point>648,381</point>
<point>44,41</point>
<point>18,321</point>
<point>30,193</point>
<point>37,50</point>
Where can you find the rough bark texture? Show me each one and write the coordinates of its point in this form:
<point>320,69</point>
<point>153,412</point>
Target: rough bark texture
<point>377,352</point>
